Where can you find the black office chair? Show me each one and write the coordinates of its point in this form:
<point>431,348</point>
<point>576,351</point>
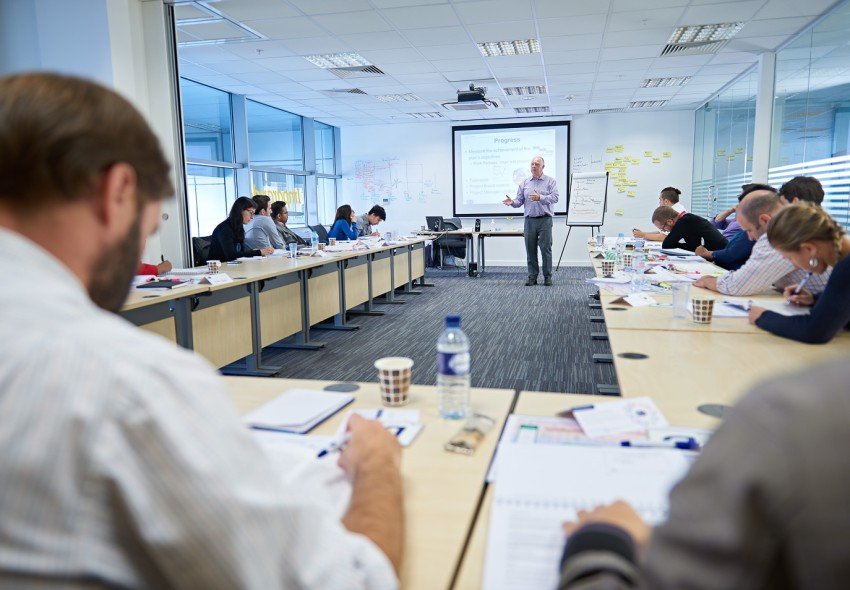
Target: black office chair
<point>321,232</point>
<point>201,250</point>
<point>454,245</point>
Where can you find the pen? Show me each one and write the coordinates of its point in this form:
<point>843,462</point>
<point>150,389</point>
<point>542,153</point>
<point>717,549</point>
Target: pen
<point>162,257</point>
<point>688,444</point>
<point>802,283</point>
<point>742,306</point>
<point>335,445</point>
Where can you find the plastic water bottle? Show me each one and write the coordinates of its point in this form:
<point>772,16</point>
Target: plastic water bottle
<point>620,248</point>
<point>314,241</point>
<point>453,370</point>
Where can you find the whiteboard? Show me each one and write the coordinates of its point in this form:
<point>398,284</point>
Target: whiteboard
<point>588,195</point>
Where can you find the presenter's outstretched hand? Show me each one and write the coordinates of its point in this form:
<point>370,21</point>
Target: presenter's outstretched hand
<point>508,200</point>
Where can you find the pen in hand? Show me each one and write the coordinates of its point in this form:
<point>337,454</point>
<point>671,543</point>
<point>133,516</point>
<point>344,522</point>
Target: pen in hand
<point>802,283</point>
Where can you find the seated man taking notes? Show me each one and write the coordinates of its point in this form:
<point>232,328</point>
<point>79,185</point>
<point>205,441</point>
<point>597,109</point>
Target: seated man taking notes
<point>687,231</point>
<point>126,465</point>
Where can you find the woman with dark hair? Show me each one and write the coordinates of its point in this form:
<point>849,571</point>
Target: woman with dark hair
<point>228,238</point>
<point>344,227</point>
<point>806,235</point>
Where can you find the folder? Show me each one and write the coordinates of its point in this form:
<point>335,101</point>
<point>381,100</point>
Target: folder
<point>297,410</point>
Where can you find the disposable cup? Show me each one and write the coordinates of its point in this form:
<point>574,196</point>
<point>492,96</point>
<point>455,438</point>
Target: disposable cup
<point>394,374</point>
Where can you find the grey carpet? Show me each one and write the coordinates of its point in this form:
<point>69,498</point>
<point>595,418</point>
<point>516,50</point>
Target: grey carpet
<point>534,338</point>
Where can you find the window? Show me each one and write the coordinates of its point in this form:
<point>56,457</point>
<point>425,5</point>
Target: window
<point>326,197</point>
<point>206,122</point>
<point>210,191</point>
<point>288,188</point>
<point>274,137</point>
<point>812,112</point>
<point>324,149</point>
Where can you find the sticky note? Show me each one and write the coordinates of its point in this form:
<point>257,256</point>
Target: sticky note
<point>631,193</point>
<point>647,153</point>
<point>739,150</point>
<point>619,212</point>
<point>609,150</point>
<point>731,158</point>
<point>620,189</point>
<point>668,154</point>
<point>721,152</point>
<point>656,160</point>
<point>633,183</point>
<point>619,148</point>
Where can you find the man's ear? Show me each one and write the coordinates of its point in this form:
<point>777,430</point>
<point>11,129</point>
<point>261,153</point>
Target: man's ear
<point>117,199</point>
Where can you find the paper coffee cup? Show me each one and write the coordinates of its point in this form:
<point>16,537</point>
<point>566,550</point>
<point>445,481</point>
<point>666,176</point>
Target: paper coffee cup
<point>703,309</point>
<point>213,266</point>
<point>394,374</point>
<point>608,267</point>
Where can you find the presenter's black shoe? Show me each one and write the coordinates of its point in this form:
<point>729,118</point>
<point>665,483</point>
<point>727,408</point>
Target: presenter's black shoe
<point>547,281</point>
<point>530,282</point>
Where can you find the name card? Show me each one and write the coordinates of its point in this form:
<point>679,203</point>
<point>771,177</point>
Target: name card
<point>217,279</point>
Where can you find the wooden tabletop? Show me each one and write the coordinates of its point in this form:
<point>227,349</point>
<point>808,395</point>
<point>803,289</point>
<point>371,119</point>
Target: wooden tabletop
<point>441,489</point>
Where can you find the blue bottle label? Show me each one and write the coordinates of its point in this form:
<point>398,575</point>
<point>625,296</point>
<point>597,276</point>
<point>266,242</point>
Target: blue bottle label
<point>449,363</point>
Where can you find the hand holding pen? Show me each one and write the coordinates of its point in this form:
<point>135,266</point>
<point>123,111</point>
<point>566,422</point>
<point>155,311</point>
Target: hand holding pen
<point>797,295</point>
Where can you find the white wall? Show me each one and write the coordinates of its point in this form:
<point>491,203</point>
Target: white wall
<point>408,169</point>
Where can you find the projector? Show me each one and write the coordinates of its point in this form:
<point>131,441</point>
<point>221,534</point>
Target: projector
<point>473,99</point>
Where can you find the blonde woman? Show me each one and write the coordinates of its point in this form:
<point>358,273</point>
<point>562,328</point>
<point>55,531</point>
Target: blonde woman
<point>807,236</point>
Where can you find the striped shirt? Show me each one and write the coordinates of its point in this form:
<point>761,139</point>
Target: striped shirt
<point>766,268</point>
<point>546,187</point>
<point>125,465</point>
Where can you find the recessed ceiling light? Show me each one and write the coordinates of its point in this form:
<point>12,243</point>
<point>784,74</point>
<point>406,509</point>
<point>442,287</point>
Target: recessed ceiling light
<point>397,97</point>
<point>657,82</point>
<point>532,110</point>
<point>607,110</point>
<point>521,90</point>
<point>517,47</point>
<point>432,115</point>
<point>705,33</point>
<point>645,104</point>
<point>338,60</point>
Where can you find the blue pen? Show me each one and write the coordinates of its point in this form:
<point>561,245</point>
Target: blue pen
<point>335,445</point>
<point>803,283</point>
<point>688,444</point>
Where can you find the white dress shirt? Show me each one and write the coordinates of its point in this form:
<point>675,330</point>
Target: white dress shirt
<point>125,465</point>
<point>766,268</point>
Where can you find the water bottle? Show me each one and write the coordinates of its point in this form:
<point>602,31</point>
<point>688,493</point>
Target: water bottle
<point>620,248</point>
<point>492,225</point>
<point>314,241</point>
<point>453,370</point>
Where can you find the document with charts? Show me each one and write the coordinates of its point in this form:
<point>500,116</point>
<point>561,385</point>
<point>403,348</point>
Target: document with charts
<point>541,486</point>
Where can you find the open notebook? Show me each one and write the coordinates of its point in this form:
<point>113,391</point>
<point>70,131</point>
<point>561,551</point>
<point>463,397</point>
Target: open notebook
<point>297,410</point>
<point>541,486</point>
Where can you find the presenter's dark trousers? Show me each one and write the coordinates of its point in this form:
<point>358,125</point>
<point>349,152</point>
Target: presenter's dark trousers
<point>538,234</point>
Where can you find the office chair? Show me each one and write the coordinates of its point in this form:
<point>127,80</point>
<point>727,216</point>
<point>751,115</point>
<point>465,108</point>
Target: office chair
<point>452,244</point>
<point>321,231</point>
<point>201,250</point>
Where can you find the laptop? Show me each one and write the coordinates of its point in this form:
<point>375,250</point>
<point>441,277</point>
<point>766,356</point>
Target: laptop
<point>434,222</point>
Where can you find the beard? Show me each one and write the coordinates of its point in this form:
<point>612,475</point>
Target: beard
<point>114,270</point>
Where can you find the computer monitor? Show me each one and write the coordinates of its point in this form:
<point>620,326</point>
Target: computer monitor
<point>434,222</point>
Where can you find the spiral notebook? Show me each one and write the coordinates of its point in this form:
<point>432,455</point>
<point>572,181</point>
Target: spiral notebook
<point>541,486</point>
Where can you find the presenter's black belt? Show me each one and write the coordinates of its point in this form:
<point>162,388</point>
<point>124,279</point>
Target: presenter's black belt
<point>537,216</point>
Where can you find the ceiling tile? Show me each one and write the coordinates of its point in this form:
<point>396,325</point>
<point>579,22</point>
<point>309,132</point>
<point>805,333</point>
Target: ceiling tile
<point>626,66</point>
<point>254,49</point>
<point>261,77</point>
<point>733,68</point>
<point>638,52</point>
<point>772,26</point>
<point>682,61</point>
<point>366,41</point>
<point>422,17</point>
<point>364,21</point>
<point>314,45</point>
<point>532,59</point>
<point>414,67</point>
<point>492,11</point>
<point>467,75</point>
<point>645,19</point>
<point>523,29</point>
<point>532,71</point>
<point>791,8</point>
<point>432,80</point>
<point>238,66</point>
<point>573,25</point>
<point>722,12</point>
<point>757,44</point>
<point>467,50</point>
<point>629,5</point>
<point>451,65</point>
<point>657,37</point>
<point>558,8</point>
<point>285,65</point>
<point>571,42</point>
<point>311,75</point>
<point>330,6</point>
<point>570,69</point>
<point>204,54</point>
<point>437,36</point>
<point>392,56</point>
<point>287,28</point>
<point>729,57</point>
<point>256,9</point>
<point>566,57</point>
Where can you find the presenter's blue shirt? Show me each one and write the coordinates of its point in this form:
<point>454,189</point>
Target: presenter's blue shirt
<point>546,187</point>
<point>343,230</point>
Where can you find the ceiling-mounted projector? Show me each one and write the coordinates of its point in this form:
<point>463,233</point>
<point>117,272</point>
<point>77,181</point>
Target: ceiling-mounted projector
<point>473,99</point>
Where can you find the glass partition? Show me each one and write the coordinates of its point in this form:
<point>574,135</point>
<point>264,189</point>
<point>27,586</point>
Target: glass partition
<point>288,188</point>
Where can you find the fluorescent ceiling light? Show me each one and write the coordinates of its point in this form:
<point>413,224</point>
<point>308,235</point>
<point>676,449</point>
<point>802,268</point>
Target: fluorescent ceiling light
<point>657,82</point>
<point>705,33</point>
<point>517,47</point>
<point>338,60</point>
<point>532,110</point>
<point>644,104</point>
<point>431,115</point>
<point>522,90</point>
<point>397,97</point>
<point>607,110</point>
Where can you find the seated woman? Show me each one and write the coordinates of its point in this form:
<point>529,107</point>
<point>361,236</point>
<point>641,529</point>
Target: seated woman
<point>228,238</point>
<point>344,227</point>
<point>693,229</point>
<point>806,235</point>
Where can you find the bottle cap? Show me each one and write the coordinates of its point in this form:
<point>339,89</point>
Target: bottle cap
<point>453,321</point>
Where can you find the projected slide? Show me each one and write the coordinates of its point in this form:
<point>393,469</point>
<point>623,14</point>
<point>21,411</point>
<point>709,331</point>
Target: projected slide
<point>491,161</point>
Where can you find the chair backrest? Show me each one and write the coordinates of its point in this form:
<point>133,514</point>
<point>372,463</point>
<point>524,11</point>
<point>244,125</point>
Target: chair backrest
<point>201,250</point>
<point>433,222</point>
<point>450,224</point>
<point>321,232</point>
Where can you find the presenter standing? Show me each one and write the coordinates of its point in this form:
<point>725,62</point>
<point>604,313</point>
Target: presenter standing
<point>538,193</point>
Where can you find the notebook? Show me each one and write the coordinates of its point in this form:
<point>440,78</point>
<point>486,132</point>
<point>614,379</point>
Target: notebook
<point>541,486</point>
<point>297,410</point>
<point>162,284</point>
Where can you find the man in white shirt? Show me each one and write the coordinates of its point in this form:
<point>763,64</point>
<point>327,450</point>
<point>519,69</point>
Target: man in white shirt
<point>261,232</point>
<point>766,267</point>
<point>124,463</point>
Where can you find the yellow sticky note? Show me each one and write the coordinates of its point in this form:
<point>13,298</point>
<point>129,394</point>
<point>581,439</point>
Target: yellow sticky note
<point>619,212</point>
<point>619,148</point>
<point>633,183</point>
<point>631,193</point>
<point>656,160</point>
<point>620,189</point>
<point>721,152</point>
<point>647,153</point>
<point>667,154</point>
<point>609,150</point>
<point>739,150</point>
<point>731,158</point>
<point>749,158</point>
<point>635,161</point>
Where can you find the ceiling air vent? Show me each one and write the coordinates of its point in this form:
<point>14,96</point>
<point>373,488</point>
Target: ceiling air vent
<point>357,72</point>
<point>602,111</point>
<point>341,91</point>
<point>700,39</point>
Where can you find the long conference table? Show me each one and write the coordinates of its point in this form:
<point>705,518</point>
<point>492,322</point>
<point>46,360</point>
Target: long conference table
<point>277,298</point>
<point>471,237</point>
